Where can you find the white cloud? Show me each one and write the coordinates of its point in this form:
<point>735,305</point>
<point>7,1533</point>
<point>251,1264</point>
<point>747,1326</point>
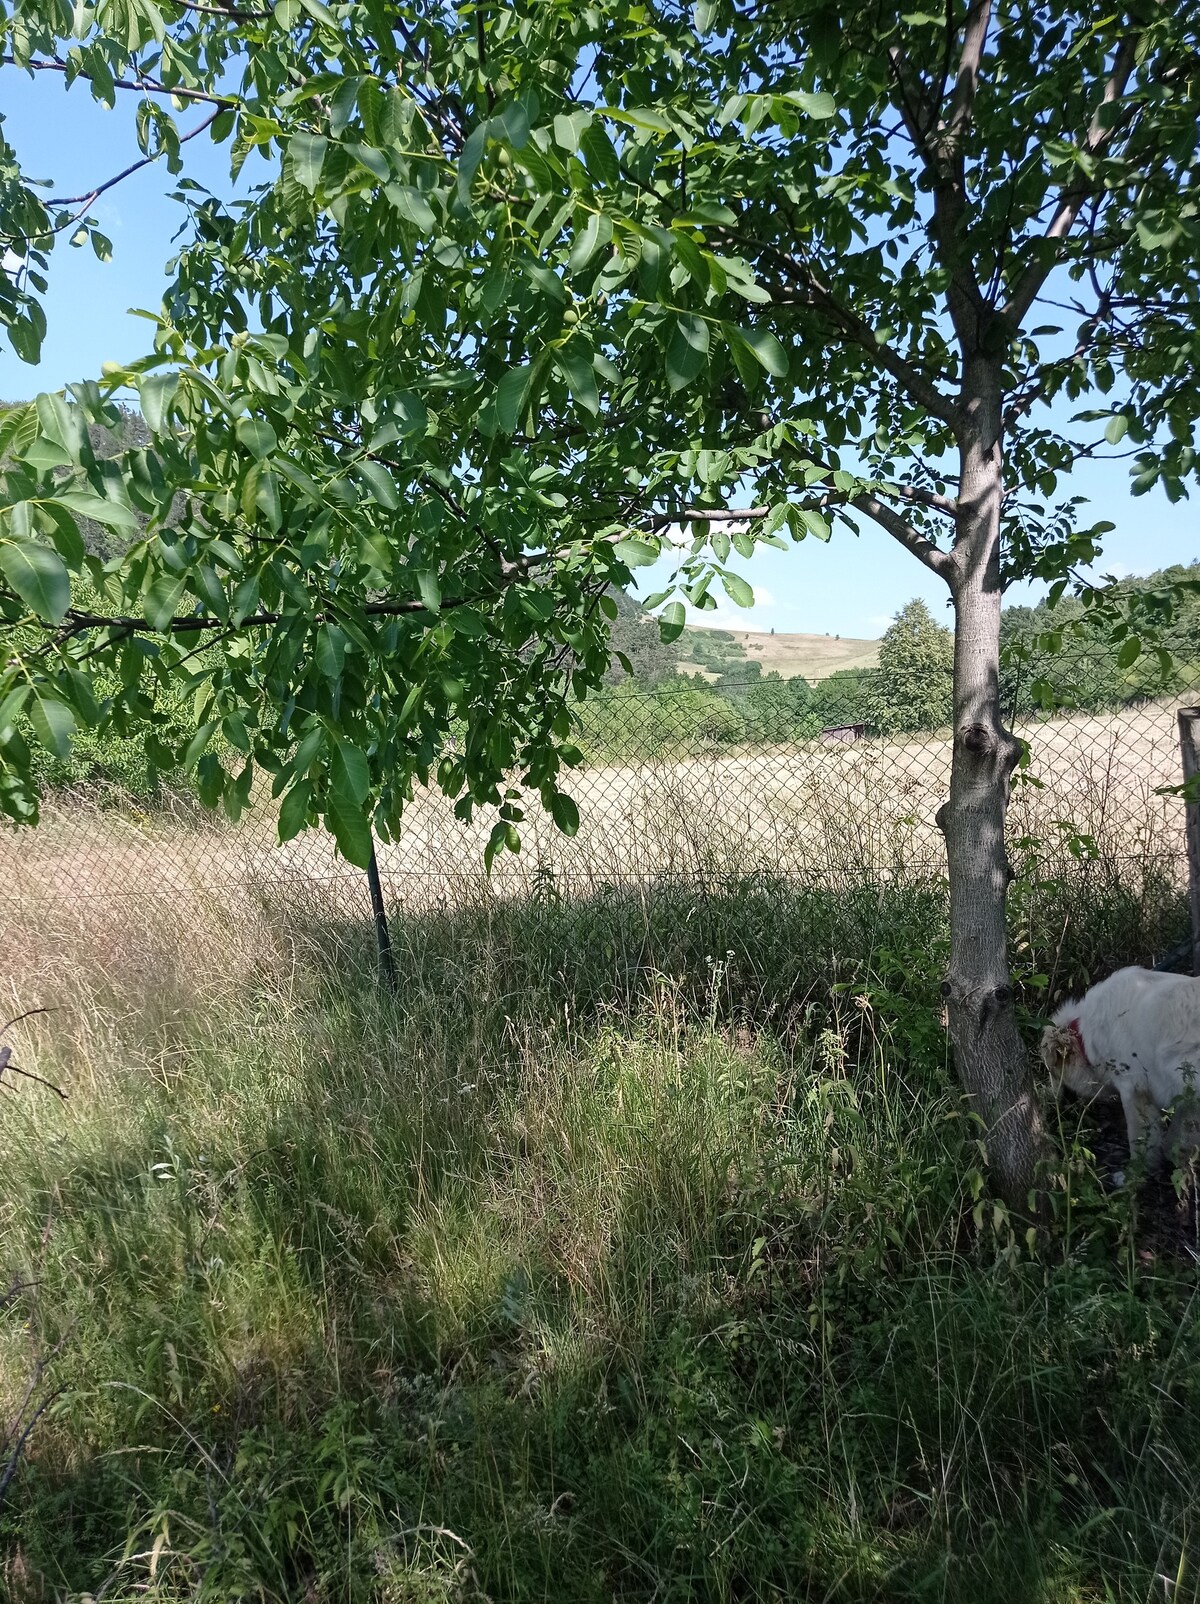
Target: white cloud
<point>763,597</point>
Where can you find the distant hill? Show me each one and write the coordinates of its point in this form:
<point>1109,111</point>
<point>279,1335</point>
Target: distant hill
<point>714,651</point>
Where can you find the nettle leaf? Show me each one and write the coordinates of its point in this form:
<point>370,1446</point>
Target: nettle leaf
<point>39,577</point>
<point>687,350</point>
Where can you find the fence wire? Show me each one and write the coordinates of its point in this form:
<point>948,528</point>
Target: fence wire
<point>728,778</point>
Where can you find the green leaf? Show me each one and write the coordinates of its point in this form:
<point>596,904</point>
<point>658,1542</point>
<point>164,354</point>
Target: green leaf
<point>1130,651</point>
<point>767,351</point>
<point>307,155</point>
<point>687,350</point>
<point>1116,428</point>
<point>597,233</point>
<point>644,117</point>
<point>814,522</point>
<point>740,593</point>
<point>53,723</point>
<point>162,599</point>
<point>410,413</point>
<point>39,577</point>
<point>412,207</point>
<point>599,155</point>
<point>350,772</point>
<point>671,621</point>
<point>510,397</point>
<point>821,106</point>
<point>157,395</point>
<point>98,508</point>
<point>351,829</point>
<point>512,124</point>
<point>636,553</point>
<point>293,810</point>
<point>378,483</point>
<point>198,744</point>
<point>258,437</point>
<point>429,590</point>
<point>330,651</point>
<point>564,813</point>
<point>575,363</point>
<point>10,706</point>
<point>266,498</point>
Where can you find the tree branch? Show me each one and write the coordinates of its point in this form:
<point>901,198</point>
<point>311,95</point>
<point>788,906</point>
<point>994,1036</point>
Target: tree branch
<point>1072,196</point>
<point>856,329</point>
<point>942,151</point>
<point>698,515</point>
<point>144,86</point>
<point>940,562</point>
<point>83,202</point>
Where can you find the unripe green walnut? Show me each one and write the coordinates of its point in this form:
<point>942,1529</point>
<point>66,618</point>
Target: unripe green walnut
<point>570,317</point>
<point>503,157</point>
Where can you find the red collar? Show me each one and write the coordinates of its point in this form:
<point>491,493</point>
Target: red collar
<point>1076,1034</point>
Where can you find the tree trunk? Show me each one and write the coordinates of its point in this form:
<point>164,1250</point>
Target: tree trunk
<point>990,1056</point>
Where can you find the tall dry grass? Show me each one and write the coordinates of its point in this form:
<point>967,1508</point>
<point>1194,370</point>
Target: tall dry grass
<point>636,1250</point>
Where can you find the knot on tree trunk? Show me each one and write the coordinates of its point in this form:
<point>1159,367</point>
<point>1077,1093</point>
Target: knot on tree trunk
<point>977,738</point>
<point>979,1003</point>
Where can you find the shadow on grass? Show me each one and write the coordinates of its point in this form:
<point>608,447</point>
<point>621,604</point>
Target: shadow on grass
<point>631,1254</point>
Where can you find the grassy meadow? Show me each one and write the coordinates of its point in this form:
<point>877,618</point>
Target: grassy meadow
<point>636,1251</point>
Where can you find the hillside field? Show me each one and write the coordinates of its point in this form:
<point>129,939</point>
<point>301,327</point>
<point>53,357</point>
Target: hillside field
<point>811,656</point>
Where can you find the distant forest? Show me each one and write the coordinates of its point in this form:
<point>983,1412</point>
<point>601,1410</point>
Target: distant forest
<point>1055,659</point>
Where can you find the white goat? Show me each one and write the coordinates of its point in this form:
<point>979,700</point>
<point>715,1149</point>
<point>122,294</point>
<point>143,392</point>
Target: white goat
<point>1136,1034</point>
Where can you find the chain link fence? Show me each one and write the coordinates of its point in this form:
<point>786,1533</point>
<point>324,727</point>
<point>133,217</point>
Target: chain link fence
<point>702,779</point>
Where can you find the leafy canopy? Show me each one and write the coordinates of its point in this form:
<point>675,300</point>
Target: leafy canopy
<point>521,291</point>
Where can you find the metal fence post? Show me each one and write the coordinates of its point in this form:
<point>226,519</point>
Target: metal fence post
<point>383,937</point>
<point>1189,747</point>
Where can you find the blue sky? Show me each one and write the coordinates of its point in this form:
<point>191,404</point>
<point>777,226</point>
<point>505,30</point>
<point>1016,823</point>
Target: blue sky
<point>852,586</point>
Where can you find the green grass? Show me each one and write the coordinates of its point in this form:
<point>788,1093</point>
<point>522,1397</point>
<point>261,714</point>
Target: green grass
<point>635,1252</point>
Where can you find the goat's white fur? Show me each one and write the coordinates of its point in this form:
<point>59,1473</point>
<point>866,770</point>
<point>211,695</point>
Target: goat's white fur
<point>1141,1036</point>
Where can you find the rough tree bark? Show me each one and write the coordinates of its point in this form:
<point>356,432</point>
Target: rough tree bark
<point>992,1061</point>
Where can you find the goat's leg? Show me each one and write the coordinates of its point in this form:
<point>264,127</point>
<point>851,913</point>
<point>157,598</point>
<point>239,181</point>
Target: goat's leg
<point>1143,1121</point>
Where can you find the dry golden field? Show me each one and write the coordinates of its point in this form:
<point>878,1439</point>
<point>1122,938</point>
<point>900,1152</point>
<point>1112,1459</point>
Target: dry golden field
<point>812,656</point>
<point>804,810</point>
